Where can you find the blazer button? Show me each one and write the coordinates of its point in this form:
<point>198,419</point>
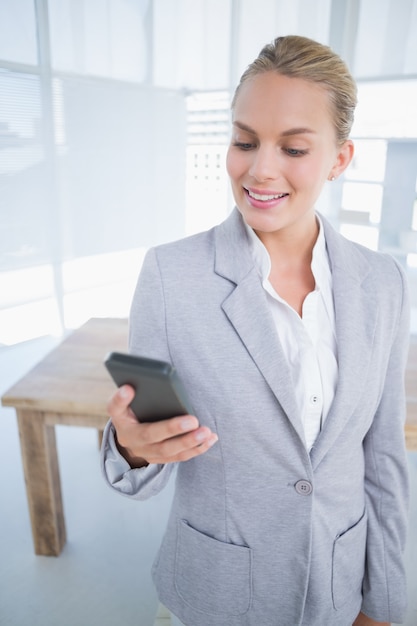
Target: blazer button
<point>303,487</point>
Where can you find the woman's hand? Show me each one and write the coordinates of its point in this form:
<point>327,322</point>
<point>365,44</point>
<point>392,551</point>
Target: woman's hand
<point>167,441</point>
<point>364,620</point>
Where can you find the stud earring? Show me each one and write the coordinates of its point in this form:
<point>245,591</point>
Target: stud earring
<point>332,178</point>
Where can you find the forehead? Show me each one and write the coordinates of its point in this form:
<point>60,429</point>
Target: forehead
<point>271,98</point>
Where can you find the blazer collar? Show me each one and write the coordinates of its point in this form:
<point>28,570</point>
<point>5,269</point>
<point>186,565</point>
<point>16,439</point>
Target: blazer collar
<point>247,310</point>
<point>355,313</point>
<point>233,259</point>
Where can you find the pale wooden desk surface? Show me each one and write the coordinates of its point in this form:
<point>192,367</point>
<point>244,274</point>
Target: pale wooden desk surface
<point>71,386</point>
<point>72,379</point>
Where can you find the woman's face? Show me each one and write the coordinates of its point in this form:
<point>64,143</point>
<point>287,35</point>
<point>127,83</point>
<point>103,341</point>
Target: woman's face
<point>283,149</point>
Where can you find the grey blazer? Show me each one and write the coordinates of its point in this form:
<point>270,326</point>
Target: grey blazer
<point>262,533</point>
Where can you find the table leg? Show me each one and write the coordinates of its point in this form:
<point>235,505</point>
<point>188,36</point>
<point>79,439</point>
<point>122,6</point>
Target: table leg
<point>43,484</point>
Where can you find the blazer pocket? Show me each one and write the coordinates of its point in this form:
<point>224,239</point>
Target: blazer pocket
<point>212,576</point>
<point>349,563</point>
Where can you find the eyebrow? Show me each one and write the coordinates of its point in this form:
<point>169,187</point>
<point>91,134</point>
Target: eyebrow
<point>286,133</point>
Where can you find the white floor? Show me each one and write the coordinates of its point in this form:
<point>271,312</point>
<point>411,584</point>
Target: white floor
<point>102,577</point>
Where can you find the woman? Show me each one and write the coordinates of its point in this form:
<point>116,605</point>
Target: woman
<point>291,493</point>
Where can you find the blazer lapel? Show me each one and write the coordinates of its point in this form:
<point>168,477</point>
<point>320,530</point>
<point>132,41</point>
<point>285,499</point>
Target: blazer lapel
<point>247,309</point>
<point>356,315</point>
<point>355,311</point>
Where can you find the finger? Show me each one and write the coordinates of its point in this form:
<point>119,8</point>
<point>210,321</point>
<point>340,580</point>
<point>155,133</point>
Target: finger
<point>121,397</point>
<point>119,402</point>
<point>196,450</point>
<point>199,449</point>
<point>197,442</point>
<point>155,432</point>
<point>184,447</point>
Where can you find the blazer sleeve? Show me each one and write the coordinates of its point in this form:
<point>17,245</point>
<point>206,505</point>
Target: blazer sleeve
<point>147,337</point>
<point>386,484</point>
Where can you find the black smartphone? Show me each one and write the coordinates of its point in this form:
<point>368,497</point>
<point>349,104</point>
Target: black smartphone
<point>159,391</point>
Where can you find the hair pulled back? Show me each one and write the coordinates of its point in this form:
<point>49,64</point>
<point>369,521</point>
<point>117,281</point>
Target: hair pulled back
<point>301,57</point>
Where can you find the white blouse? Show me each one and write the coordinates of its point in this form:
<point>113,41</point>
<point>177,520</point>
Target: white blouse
<point>309,342</point>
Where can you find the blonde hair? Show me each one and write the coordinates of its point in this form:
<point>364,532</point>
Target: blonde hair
<point>300,57</point>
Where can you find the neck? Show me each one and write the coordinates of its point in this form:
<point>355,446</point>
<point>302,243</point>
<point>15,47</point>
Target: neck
<point>292,246</point>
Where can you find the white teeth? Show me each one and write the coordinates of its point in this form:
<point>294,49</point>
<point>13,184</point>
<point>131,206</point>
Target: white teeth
<point>264,198</point>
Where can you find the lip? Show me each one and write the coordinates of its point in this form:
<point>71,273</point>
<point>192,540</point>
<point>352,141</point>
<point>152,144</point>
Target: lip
<point>264,198</point>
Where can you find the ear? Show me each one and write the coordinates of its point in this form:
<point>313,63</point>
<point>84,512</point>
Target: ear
<point>344,157</point>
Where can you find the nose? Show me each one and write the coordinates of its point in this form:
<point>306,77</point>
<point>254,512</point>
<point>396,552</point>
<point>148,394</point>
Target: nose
<point>265,164</point>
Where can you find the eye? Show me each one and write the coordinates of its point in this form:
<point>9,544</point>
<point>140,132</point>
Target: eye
<point>243,145</point>
<point>293,152</point>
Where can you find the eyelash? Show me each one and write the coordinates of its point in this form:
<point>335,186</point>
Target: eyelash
<point>244,146</point>
<point>292,152</point>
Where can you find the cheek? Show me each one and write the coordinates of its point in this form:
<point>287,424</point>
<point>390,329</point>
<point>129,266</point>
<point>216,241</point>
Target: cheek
<point>235,164</point>
<point>309,174</point>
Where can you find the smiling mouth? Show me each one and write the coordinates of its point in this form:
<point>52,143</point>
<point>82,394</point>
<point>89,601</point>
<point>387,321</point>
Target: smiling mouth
<point>265,197</point>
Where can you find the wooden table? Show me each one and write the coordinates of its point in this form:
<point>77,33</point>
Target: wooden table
<point>69,386</point>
